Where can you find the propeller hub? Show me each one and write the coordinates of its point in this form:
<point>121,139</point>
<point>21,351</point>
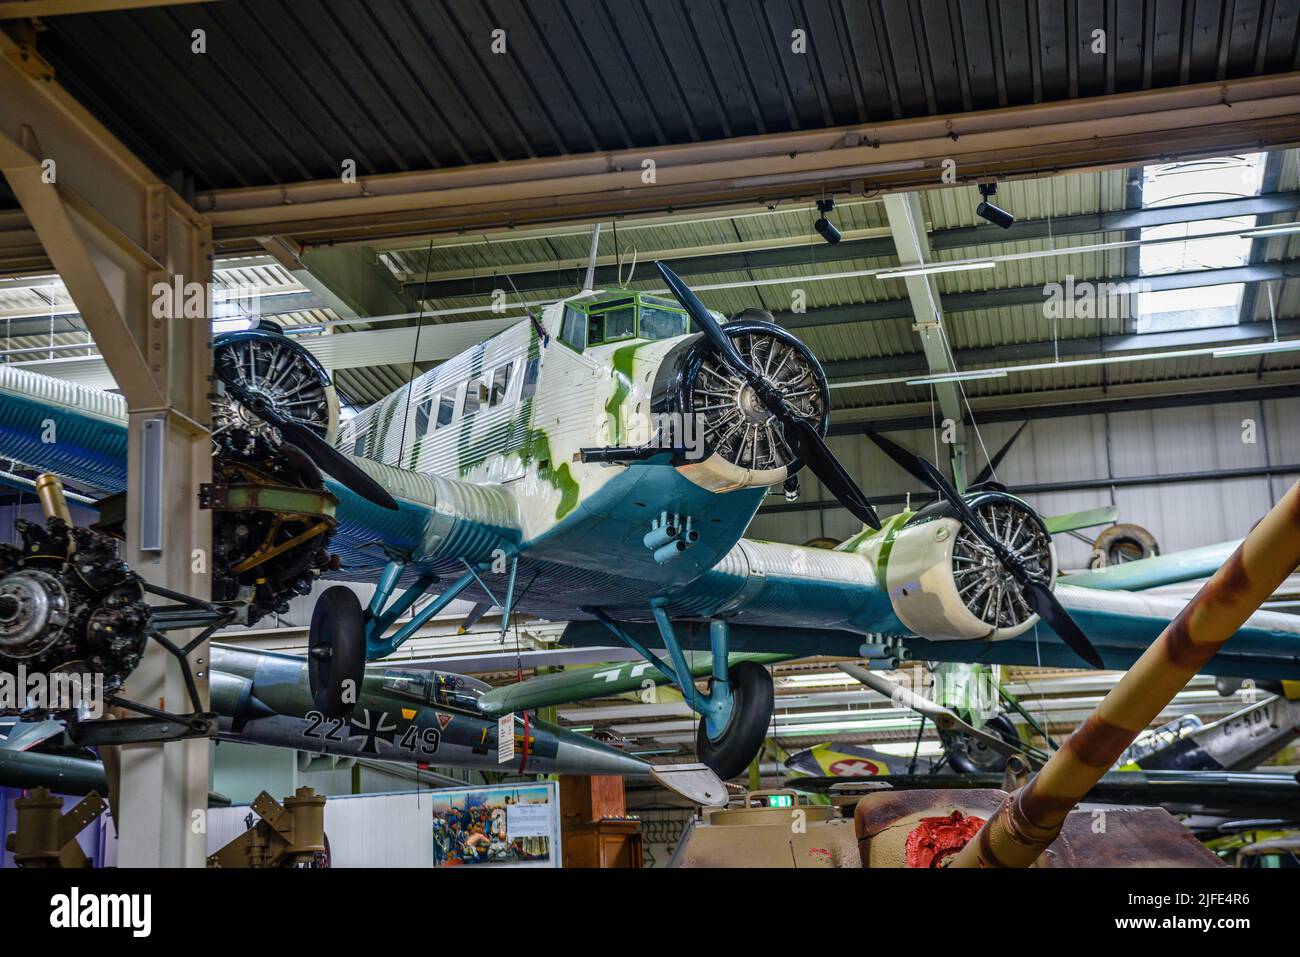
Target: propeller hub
<point>740,412</point>
<point>751,406</point>
<point>991,582</point>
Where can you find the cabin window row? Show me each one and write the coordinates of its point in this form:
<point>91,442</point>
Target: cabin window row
<point>489,390</point>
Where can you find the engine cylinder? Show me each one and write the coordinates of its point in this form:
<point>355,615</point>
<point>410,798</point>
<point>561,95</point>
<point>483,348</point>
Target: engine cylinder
<point>945,584</point>
<point>744,445</point>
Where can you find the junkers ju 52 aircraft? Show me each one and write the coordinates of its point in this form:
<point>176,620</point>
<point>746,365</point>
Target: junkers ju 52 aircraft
<point>599,464</point>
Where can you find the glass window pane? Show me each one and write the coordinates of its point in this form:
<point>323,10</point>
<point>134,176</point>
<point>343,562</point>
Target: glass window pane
<point>446,406</point>
<point>620,323</point>
<point>472,396</point>
<point>573,331</point>
<point>530,378</point>
<point>659,323</point>
<point>422,417</point>
<point>500,385</point>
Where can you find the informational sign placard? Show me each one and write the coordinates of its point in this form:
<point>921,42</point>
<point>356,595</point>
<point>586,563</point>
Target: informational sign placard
<point>528,820</point>
<point>498,825</point>
<point>505,738</point>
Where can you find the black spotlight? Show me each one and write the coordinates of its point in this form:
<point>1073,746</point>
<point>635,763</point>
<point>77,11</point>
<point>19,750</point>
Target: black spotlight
<point>823,225</point>
<point>994,214</point>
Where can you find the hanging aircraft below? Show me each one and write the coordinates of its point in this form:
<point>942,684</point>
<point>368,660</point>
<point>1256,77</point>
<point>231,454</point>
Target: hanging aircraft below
<point>404,714</point>
<point>599,464</point>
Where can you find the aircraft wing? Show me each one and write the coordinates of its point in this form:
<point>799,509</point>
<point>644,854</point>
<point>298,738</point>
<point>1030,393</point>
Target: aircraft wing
<point>599,681</point>
<point>1088,518</point>
<point>80,434</point>
<point>1121,625</point>
<point>1187,565</point>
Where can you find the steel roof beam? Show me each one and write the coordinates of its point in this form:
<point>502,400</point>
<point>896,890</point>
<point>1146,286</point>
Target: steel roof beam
<point>1031,295</point>
<point>912,247</point>
<point>1102,132</point>
<point>530,277</point>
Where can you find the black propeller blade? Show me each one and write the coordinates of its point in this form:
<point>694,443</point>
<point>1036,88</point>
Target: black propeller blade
<point>327,458</point>
<point>986,473</point>
<point>1036,592</point>
<point>803,438</point>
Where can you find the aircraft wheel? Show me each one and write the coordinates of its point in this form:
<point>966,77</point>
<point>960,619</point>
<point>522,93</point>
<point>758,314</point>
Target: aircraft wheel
<point>1123,543</point>
<point>969,756</point>
<point>336,651</point>
<point>734,749</point>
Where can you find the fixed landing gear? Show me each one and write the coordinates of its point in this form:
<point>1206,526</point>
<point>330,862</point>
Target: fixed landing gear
<point>735,713</point>
<point>336,651</point>
<point>734,746</point>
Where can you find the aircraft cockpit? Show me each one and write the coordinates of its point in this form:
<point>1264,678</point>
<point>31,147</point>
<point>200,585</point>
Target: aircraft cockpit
<point>434,687</point>
<point>621,315</point>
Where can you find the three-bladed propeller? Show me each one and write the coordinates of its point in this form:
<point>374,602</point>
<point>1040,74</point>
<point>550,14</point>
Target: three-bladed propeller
<point>801,435</point>
<point>326,458</point>
<point>1035,591</point>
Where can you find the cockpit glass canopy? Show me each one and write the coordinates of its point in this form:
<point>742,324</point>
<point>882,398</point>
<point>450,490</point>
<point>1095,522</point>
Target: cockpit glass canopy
<point>623,315</point>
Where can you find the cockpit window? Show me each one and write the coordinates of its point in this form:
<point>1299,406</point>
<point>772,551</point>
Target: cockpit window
<point>622,316</point>
<point>659,323</point>
<point>573,332</point>
<point>612,325</point>
<point>408,684</point>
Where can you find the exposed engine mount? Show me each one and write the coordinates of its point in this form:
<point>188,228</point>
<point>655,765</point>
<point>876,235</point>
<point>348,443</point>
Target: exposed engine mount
<point>744,443</point>
<point>273,517</point>
<point>945,583</point>
<point>79,611</point>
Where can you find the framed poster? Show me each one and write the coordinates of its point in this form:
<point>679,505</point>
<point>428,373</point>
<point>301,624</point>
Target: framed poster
<point>500,825</point>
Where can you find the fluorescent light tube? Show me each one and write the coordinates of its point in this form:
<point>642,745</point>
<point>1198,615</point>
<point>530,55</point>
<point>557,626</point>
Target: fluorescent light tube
<point>959,376</point>
<point>1279,229</point>
<point>1258,349</point>
<point>937,267</point>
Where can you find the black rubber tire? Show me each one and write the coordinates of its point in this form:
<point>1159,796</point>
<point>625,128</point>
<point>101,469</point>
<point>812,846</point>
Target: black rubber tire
<point>961,761</point>
<point>336,651</point>
<point>751,684</point>
<point>1123,543</point>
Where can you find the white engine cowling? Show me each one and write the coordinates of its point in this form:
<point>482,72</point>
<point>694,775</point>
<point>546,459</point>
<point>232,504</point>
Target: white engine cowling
<point>946,585</point>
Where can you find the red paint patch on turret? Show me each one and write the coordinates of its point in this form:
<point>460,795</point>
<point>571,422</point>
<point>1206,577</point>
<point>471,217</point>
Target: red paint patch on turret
<point>935,839</point>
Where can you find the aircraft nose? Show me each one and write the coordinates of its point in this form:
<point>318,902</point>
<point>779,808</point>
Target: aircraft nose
<point>576,754</point>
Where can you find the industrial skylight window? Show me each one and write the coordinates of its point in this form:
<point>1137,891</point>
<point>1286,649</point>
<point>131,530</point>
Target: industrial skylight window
<point>1196,181</point>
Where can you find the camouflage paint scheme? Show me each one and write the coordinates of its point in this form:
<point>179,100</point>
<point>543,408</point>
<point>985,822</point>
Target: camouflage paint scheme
<point>409,715</point>
<point>506,480</point>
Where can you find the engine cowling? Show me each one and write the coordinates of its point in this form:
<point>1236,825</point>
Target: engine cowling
<point>743,445</point>
<point>945,584</point>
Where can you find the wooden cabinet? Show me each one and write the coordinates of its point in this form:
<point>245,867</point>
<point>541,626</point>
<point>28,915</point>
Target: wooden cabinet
<point>613,842</point>
<point>597,830</point>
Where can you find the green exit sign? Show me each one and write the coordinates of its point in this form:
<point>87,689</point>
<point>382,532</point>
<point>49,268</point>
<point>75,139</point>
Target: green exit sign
<point>780,800</point>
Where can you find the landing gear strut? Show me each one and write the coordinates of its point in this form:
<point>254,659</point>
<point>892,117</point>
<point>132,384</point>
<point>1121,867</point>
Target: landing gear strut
<point>735,712</point>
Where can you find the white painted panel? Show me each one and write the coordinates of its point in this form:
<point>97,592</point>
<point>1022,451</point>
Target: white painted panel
<point>369,830</point>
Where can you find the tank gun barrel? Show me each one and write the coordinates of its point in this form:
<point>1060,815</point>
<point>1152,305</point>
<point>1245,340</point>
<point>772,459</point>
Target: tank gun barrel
<point>1031,818</point>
